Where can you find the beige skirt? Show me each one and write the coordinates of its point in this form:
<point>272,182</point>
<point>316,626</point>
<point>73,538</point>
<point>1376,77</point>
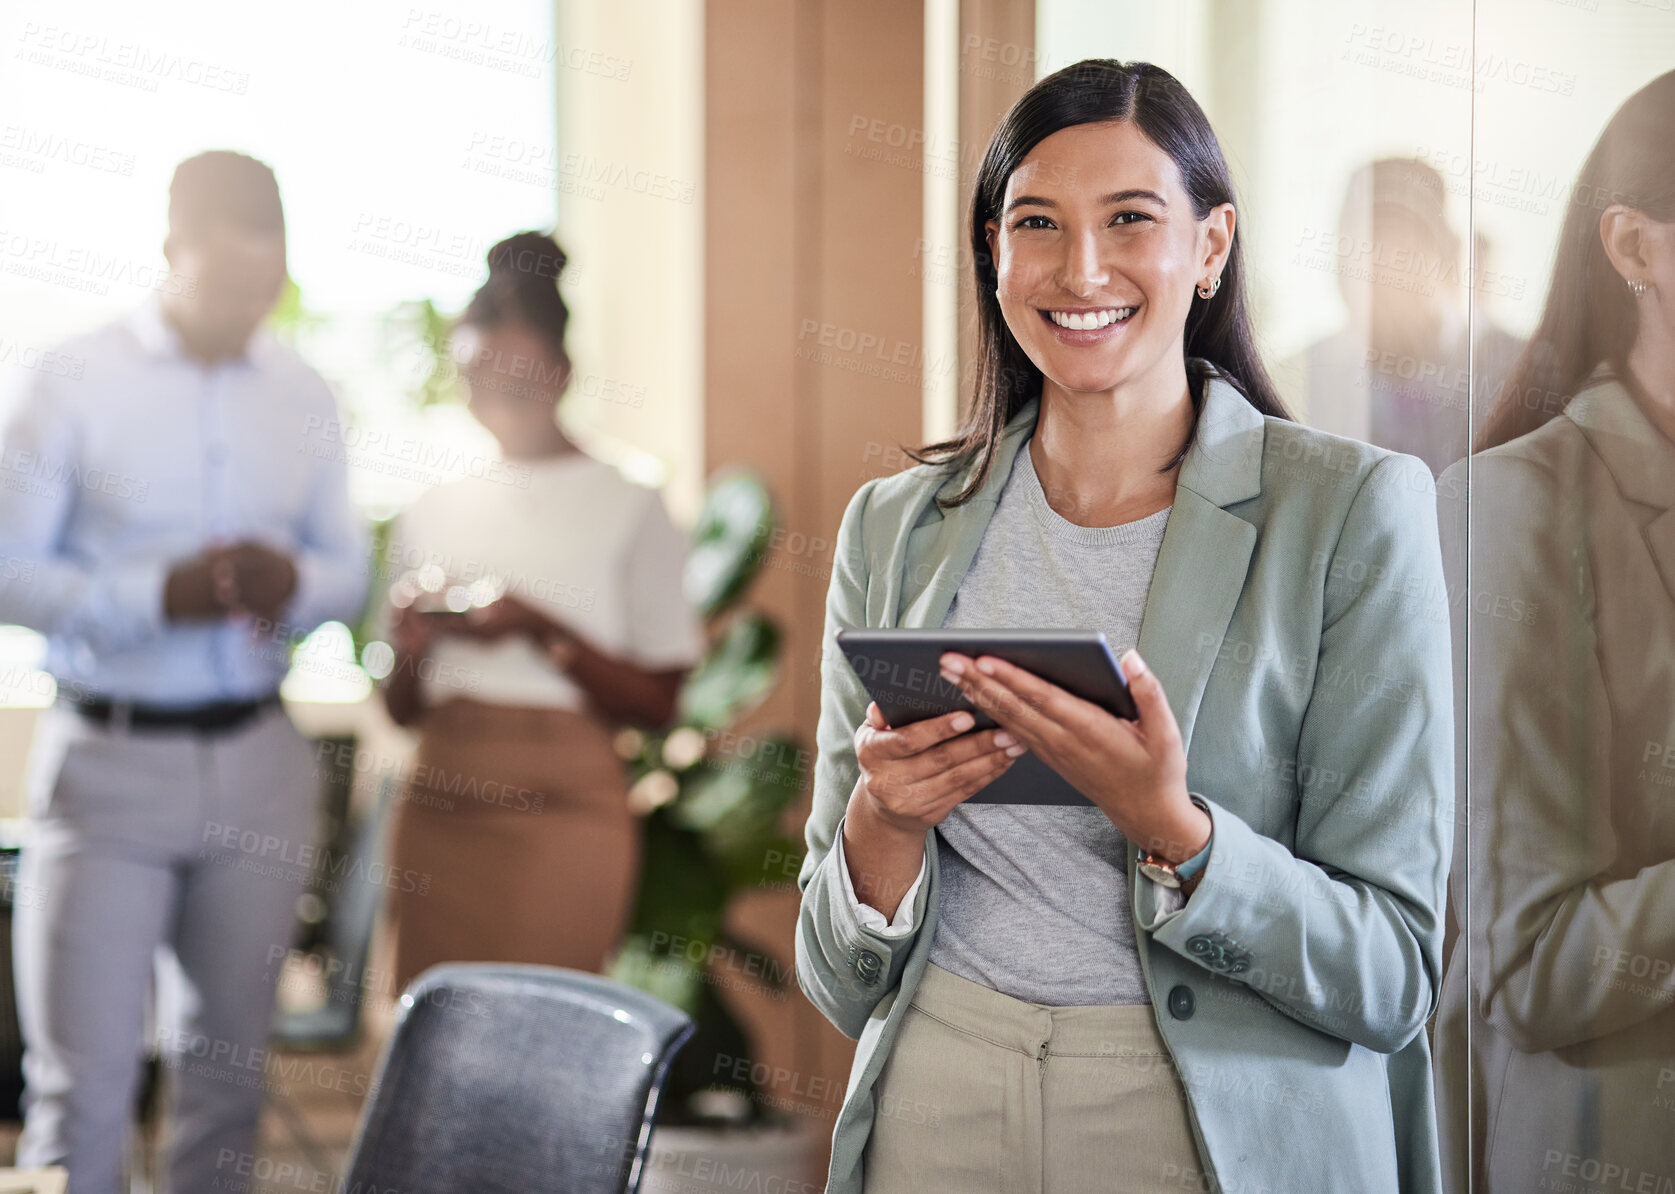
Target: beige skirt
<point>512,841</point>
<point>983,1092</point>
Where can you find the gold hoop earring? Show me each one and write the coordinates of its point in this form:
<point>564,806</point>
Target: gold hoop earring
<point>1640,286</point>
<point>1209,291</point>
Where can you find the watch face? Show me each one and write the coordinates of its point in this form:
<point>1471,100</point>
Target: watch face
<point>1160,874</point>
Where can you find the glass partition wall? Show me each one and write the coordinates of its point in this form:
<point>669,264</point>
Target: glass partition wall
<point>1459,224</point>
<point>1557,1020</point>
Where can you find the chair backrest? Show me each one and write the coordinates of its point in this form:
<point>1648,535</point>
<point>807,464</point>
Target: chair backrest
<point>504,1079</point>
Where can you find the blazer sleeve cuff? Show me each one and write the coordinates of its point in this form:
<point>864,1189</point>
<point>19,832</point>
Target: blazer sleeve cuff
<point>870,918</point>
<point>867,960</point>
<point>1217,924</point>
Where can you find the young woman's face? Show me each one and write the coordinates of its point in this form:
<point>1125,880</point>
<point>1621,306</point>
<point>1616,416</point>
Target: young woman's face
<point>1097,253</point>
<point>514,379</point>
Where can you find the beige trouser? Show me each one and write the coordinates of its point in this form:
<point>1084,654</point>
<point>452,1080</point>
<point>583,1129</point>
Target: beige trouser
<point>986,1092</point>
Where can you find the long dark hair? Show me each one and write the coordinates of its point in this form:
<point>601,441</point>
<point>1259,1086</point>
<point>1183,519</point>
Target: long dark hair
<point>1218,330</point>
<point>522,287</point>
<point>1590,317</point>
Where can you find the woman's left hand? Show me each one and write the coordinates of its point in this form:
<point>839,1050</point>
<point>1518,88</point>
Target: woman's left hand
<point>1135,771</point>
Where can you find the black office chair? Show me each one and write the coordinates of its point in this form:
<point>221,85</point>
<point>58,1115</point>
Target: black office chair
<point>506,1079</point>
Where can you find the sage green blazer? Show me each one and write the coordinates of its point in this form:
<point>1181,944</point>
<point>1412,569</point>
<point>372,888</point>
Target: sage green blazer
<point>1298,621</point>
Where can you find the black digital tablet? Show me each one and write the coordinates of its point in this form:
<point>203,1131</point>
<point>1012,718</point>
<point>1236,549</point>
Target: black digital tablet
<point>902,673</point>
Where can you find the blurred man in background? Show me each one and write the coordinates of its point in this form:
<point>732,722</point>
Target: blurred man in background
<point>177,539</point>
<point>1401,372</point>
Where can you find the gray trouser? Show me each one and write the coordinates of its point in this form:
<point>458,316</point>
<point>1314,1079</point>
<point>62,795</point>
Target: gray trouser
<point>165,848</point>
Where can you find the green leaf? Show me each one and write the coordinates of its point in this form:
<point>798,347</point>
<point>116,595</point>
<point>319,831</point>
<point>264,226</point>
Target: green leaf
<point>682,891</point>
<point>736,803</point>
<point>672,979</point>
<point>437,375</point>
<point>379,530</point>
<point>771,861</point>
<point>735,676</point>
<point>732,534</point>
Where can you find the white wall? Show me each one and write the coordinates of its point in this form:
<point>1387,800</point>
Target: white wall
<point>1304,91</point>
<point>1531,140</point>
<point>631,218</point>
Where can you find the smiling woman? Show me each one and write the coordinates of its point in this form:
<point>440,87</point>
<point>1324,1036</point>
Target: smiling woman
<point>1216,972</point>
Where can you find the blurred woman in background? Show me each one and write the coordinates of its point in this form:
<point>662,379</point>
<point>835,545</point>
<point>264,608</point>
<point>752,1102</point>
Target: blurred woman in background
<point>548,608</point>
<point>1564,1005</point>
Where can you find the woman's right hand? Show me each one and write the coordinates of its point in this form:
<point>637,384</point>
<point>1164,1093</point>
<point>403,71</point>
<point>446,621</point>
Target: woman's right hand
<point>912,777</point>
<point>415,632</point>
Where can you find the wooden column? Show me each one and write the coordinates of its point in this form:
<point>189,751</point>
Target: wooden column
<point>814,165</point>
<point>997,65</point>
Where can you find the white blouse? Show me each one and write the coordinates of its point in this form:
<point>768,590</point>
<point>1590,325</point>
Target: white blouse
<point>571,536</point>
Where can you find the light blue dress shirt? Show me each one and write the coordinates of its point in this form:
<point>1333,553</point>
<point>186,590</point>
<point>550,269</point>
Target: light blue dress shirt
<point>128,456</point>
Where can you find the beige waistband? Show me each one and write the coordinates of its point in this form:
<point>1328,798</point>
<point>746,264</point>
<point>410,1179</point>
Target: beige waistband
<point>1121,1030</point>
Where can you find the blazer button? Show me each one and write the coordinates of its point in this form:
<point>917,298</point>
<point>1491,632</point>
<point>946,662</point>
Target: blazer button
<point>868,966</point>
<point>1199,945</point>
<point>1181,1003</point>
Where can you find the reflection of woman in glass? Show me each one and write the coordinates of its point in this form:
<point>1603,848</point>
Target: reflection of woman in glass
<point>1567,991</point>
<point>514,841</point>
<point>1214,973</point>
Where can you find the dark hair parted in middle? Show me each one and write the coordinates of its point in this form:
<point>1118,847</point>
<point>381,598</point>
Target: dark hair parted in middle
<point>1218,330</point>
<point>523,288</point>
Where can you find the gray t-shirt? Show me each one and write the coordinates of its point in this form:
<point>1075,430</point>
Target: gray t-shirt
<point>1034,899</point>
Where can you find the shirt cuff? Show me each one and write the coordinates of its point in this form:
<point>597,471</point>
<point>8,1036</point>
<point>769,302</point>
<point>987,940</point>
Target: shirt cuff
<point>121,609</point>
<point>871,918</point>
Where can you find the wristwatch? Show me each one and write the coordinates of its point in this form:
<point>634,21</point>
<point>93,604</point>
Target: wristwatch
<point>1163,872</point>
<point>1183,875</point>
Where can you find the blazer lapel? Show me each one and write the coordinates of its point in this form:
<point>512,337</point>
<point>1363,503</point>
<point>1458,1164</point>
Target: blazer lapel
<point>938,557</point>
<point>1205,554</point>
<point>1660,541</point>
<point>939,551</point>
<point>1641,462</point>
<point>1201,568</point>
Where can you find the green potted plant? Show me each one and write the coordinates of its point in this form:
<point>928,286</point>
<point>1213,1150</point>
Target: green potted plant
<point>714,804</point>
<point>713,816</point>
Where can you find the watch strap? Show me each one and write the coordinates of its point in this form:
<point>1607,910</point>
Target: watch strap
<point>1193,865</point>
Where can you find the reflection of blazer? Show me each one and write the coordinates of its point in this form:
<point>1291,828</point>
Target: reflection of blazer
<point>1298,622</point>
<point>1568,990</point>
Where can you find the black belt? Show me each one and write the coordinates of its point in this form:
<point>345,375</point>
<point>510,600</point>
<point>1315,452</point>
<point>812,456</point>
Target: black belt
<point>219,715</point>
